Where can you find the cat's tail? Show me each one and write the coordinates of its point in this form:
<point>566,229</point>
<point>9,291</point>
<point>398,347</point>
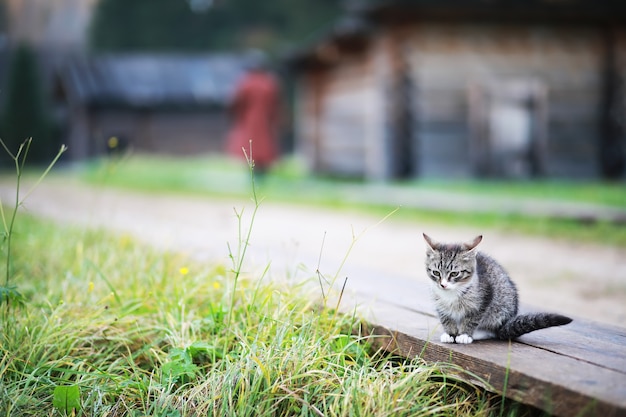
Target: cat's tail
<point>526,323</point>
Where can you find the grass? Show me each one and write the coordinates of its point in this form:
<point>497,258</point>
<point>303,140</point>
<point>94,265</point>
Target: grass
<point>289,182</point>
<point>109,327</point>
<point>611,194</point>
<point>124,330</point>
<point>290,179</point>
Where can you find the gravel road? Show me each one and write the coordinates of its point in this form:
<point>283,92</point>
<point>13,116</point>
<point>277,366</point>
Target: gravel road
<point>581,280</point>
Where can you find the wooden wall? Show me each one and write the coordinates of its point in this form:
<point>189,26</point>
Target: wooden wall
<point>336,115</point>
<point>176,132</point>
<point>458,70</point>
<point>448,60</point>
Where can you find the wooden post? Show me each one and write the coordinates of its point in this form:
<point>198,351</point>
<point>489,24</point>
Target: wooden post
<point>314,115</point>
<point>612,150</point>
<point>402,142</point>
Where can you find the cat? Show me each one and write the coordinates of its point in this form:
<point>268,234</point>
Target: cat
<point>474,296</point>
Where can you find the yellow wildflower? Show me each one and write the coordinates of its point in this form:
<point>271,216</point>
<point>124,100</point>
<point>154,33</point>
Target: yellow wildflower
<point>216,285</point>
<point>90,287</point>
<point>113,142</point>
<point>125,241</point>
<point>184,270</point>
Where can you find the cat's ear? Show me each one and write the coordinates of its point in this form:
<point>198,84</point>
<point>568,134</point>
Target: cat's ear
<point>472,245</point>
<point>431,243</point>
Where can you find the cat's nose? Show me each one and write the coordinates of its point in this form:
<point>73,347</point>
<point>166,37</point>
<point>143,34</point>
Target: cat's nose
<point>444,284</point>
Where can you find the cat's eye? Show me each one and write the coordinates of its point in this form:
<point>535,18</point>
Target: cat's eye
<point>454,274</point>
<point>435,273</point>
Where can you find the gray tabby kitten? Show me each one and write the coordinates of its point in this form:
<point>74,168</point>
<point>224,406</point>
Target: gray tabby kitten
<point>474,296</point>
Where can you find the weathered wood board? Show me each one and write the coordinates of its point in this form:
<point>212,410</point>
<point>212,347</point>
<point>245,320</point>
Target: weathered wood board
<point>578,369</point>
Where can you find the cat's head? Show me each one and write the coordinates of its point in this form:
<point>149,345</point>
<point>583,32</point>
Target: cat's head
<point>450,265</point>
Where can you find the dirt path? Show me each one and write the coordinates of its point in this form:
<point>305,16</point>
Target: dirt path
<point>581,280</point>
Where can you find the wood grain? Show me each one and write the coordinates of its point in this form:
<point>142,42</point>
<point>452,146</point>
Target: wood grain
<point>579,369</point>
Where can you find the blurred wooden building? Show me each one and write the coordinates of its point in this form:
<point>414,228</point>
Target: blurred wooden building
<point>163,103</point>
<point>501,88</point>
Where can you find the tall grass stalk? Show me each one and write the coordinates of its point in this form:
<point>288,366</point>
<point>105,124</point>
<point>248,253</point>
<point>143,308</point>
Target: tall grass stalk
<point>243,242</point>
<point>19,159</point>
<point>505,384</point>
<point>330,283</point>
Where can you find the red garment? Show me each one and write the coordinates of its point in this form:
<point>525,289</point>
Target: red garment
<point>255,112</point>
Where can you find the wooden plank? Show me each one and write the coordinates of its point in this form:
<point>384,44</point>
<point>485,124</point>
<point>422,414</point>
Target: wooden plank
<point>539,376</point>
<point>601,344</point>
<point>579,369</point>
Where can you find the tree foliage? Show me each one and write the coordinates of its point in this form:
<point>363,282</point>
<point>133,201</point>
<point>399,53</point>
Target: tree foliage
<point>166,25</point>
<point>25,114</point>
<point>3,18</point>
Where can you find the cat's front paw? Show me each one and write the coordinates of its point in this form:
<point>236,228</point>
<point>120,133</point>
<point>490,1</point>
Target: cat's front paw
<point>446,338</point>
<point>464,339</point>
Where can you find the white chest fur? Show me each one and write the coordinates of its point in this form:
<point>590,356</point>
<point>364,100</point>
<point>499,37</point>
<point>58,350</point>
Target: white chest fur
<point>455,300</point>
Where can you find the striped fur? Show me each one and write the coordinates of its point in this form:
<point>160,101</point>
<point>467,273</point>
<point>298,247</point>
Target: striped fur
<point>526,323</point>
